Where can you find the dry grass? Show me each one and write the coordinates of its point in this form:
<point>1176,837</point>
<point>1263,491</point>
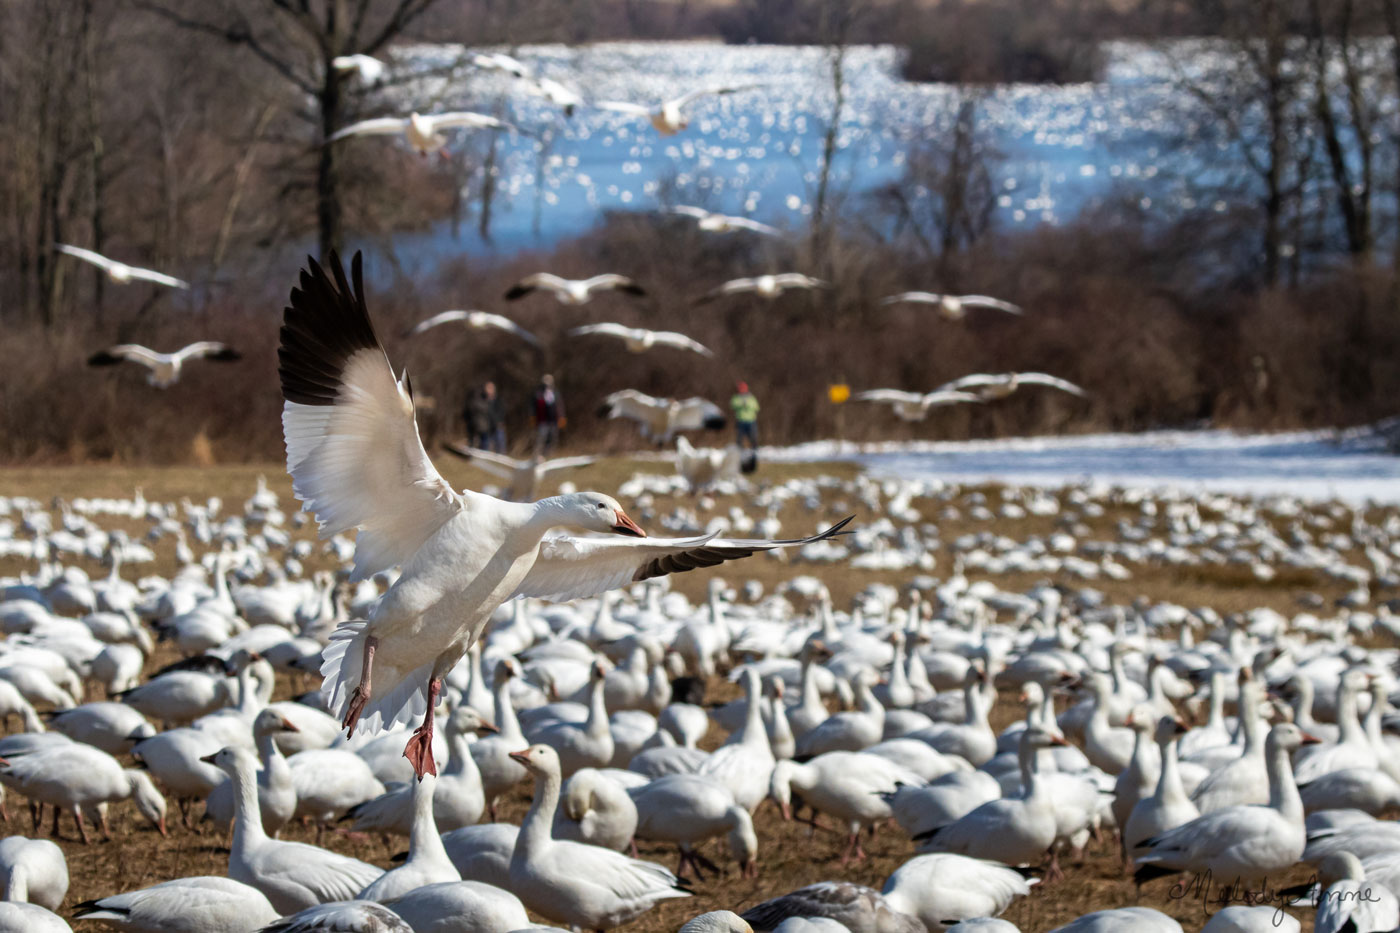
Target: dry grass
<point>792,853</point>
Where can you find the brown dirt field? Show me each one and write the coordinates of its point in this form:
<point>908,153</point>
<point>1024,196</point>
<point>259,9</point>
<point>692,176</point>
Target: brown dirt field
<point>792,854</point>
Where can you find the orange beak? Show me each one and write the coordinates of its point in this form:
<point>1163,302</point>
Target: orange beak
<point>487,727</point>
<point>1311,739</point>
<point>289,726</point>
<point>625,526</point>
<point>521,756</point>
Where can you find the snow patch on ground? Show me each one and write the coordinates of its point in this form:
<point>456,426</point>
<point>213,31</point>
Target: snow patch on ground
<point>1315,465</point>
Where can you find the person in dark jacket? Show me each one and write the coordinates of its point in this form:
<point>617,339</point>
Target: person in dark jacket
<point>485,419</point>
<point>549,416</point>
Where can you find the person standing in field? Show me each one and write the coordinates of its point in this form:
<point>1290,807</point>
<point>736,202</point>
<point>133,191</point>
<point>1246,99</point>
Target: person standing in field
<point>549,416</point>
<point>745,409</point>
<point>485,419</point>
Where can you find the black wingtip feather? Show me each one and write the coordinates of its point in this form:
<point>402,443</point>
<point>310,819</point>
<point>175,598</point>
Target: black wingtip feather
<point>1147,873</point>
<point>103,358</point>
<point>325,323</point>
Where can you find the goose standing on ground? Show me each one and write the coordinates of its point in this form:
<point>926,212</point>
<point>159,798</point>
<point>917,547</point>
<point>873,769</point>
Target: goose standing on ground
<point>661,418</point>
<point>524,476</point>
<point>1245,842</point>
<point>17,917</point>
<point>941,888</point>
<point>687,809</point>
<point>164,368</point>
<point>596,809</point>
<point>423,131</point>
<point>1001,385</point>
<point>668,117</point>
<point>427,861</point>
<point>1168,807</point>
<point>75,778</point>
<point>1352,903</point>
<point>474,320</point>
<point>857,908</point>
<point>500,772</point>
<point>34,871</point>
<point>640,340</point>
<point>764,286</point>
<point>293,875</point>
<point>952,307</point>
<point>712,222</point>
<point>277,795</point>
<point>568,882</point>
<point>744,764</point>
<point>461,907</point>
<point>357,462</point>
<point>120,272</point>
<point>850,786</point>
<point>911,406</point>
<point>574,291</point>
<point>458,799</point>
<point>202,904</point>
<point>1013,830</point>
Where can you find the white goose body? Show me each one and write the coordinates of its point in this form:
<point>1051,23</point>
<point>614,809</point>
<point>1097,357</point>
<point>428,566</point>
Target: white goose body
<point>207,904</point>
<point>427,859</point>
<point>940,888</point>
<point>568,882</point>
<point>32,870</point>
<point>293,875</point>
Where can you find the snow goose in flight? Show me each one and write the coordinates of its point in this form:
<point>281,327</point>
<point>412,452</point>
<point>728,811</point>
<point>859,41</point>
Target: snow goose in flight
<point>356,461</point>
<point>661,418</point>
<point>952,307</point>
<point>164,368</point>
<point>500,61</point>
<point>911,406</point>
<point>1000,385</point>
<point>474,320</point>
<point>669,117</point>
<point>120,272</point>
<point>367,68</point>
<point>206,903</point>
<point>714,222</point>
<point>764,286</point>
<point>640,340</point>
<point>423,131</point>
<point>524,476</point>
<point>573,291</point>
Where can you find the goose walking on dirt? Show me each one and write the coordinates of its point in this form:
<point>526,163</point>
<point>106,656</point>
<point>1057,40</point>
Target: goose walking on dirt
<point>568,882</point>
<point>356,461</point>
<point>427,859</point>
<point>203,903</point>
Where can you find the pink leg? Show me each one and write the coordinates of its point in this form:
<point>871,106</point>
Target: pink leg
<point>419,750</point>
<point>360,697</point>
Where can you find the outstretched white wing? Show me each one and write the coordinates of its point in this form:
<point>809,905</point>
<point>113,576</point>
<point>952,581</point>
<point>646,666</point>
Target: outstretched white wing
<point>923,298</point>
<point>379,126</point>
<point>207,348</point>
<point>352,443</point>
<point>606,330</point>
<point>976,380</point>
<point>996,304</point>
<point>488,461</point>
<point>128,352</point>
<point>87,255</point>
<point>623,106</point>
<point>696,413</point>
<point>574,567</point>
<point>484,319</point>
<point>699,213</point>
<point>446,317</point>
<point>888,396</point>
<point>745,223</point>
<point>633,405</point>
<point>669,338</point>
<point>1044,379</point>
<point>159,278</point>
<point>465,118</point>
<point>528,284</point>
<point>732,287</point>
<point>686,99</point>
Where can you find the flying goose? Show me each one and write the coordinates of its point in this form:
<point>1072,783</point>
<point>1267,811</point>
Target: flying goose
<point>911,406</point>
<point>669,117</point>
<point>764,286</point>
<point>1001,385</point>
<point>524,476</point>
<point>356,461</point>
<point>952,307</point>
<point>714,222</point>
<point>423,131</point>
<point>500,61</point>
<point>367,68</point>
<point>640,340</point>
<point>475,320</point>
<point>164,367</point>
<point>661,418</point>
<point>120,272</point>
<point>573,291</point>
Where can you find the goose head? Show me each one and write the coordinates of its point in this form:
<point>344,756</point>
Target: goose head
<point>149,801</point>
<point>230,760</point>
<point>593,511</point>
<point>1169,728</point>
<point>1289,737</point>
<point>270,722</point>
<point>538,759</point>
<point>464,719</point>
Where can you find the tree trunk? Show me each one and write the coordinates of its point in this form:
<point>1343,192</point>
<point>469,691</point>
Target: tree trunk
<point>328,213</point>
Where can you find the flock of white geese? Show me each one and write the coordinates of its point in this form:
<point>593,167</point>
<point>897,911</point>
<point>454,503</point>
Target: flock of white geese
<point>851,718</point>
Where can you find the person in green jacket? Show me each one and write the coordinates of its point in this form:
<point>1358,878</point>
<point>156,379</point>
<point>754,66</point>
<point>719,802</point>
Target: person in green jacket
<point>745,408</point>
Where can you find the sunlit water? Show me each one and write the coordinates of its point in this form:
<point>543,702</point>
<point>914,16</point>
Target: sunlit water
<point>1060,148</point>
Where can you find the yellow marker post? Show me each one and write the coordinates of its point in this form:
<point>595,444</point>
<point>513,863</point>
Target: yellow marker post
<point>838,394</point>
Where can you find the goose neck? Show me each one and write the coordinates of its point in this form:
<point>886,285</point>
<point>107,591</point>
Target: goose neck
<point>1348,724</point>
<point>535,831</point>
<point>461,751</point>
<point>1029,760</point>
<point>1283,791</point>
<point>247,820</point>
<point>506,720</point>
<point>597,710</point>
<point>423,838</point>
<point>17,884</point>
<point>1169,786</point>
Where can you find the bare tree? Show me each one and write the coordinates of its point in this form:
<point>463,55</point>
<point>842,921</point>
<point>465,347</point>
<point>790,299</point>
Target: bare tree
<point>297,40</point>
